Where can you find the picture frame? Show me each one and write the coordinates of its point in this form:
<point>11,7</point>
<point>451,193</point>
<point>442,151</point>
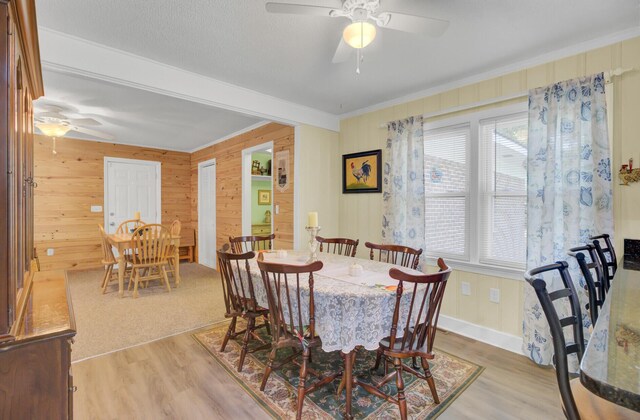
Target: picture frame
<point>264,197</point>
<point>362,172</point>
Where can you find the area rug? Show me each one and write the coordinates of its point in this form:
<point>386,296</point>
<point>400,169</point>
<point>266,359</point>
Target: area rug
<point>107,323</point>
<point>452,376</point>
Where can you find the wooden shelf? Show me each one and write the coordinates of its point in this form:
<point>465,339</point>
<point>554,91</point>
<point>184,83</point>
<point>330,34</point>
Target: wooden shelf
<point>261,177</point>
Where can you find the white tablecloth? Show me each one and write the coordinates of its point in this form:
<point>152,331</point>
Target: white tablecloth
<point>349,311</point>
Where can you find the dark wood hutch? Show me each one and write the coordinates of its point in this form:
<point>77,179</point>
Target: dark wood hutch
<point>36,318</point>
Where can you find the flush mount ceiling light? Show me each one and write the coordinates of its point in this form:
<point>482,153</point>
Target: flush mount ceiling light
<point>53,129</point>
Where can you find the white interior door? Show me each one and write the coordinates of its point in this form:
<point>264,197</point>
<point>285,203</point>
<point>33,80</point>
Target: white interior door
<point>131,186</point>
<point>207,213</point>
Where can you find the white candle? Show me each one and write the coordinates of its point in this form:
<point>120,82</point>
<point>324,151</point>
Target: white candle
<point>312,219</point>
<point>136,215</point>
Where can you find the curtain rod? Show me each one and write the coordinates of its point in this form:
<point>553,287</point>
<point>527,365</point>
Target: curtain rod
<point>608,75</point>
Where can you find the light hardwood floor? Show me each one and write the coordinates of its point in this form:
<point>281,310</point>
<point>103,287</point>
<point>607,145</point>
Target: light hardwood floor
<point>175,378</point>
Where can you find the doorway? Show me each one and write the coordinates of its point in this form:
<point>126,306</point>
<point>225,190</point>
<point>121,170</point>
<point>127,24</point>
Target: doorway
<point>257,190</point>
<point>207,213</point>
<point>131,186</point>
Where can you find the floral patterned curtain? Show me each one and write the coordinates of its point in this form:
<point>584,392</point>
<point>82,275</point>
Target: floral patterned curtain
<point>403,184</point>
<point>569,191</point>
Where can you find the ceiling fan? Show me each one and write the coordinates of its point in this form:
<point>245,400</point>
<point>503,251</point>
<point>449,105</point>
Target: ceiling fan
<point>55,120</point>
<point>362,31</point>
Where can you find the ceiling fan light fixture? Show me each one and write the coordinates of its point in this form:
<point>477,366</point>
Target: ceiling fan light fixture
<point>53,129</point>
<point>359,34</point>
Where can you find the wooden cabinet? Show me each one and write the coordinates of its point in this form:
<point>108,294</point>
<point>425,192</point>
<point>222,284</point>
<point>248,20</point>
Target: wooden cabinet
<point>36,319</point>
<point>261,229</point>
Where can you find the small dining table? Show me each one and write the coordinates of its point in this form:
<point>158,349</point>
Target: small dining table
<point>122,242</point>
<point>350,311</point>
<point>610,366</point>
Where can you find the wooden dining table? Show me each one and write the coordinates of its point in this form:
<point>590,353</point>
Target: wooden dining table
<point>122,242</point>
<point>350,312</point>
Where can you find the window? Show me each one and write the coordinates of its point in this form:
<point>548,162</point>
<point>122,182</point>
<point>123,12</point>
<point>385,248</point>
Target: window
<point>475,187</point>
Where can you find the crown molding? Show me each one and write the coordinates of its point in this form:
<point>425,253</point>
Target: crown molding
<point>232,135</point>
<point>68,54</point>
<point>501,71</point>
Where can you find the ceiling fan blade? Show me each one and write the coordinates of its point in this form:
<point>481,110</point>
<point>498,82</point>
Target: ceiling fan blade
<point>415,24</point>
<point>298,9</point>
<point>84,122</point>
<point>94,133</point>
<point>343,52</point>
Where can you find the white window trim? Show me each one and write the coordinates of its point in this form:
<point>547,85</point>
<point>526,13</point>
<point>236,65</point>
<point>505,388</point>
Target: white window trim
<point>473,263</point>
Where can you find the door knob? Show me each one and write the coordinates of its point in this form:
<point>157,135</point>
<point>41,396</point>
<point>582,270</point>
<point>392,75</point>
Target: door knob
<point>112,224</point>
<point>112,214</point>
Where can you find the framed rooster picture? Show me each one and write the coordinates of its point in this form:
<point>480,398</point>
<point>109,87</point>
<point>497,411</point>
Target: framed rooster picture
<point>361,172</point>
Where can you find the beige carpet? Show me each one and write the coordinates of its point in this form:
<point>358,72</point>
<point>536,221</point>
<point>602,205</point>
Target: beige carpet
<point>106,323</point>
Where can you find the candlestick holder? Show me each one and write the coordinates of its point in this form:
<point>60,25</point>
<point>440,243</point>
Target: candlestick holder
<point>313,243</point>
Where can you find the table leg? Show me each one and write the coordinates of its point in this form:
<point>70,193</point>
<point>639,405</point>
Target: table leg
<point>122,265</point>
<point>348,382</point>
<point>177,263</point>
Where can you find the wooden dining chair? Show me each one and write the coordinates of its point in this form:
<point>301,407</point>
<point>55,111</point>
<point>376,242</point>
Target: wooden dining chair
<point>128,226</point>
<point>607,255</point>
<point>593,275</point>
<point>241,244</point>
<point>412,336</point>
<point>174,229</point>
<point>577,401</point>
<point>340,246</point>
<point>292,316</point>
<point>240,300</point>
<point>150,256</point>
<point>108,260</point>
<point>395,254</point>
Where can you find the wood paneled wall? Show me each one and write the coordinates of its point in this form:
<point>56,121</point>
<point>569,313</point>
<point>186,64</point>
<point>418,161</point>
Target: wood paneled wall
<point>228,155</point>
<point>70,182</point>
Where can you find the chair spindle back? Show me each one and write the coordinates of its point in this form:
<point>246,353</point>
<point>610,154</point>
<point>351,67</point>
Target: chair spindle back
<point>107,250</point>
<point>286,297</point>
<point>151,244</point>
<point>593,274</point>
<point>607,257</point>
<point>417,333</point>
<point>395,254</point>
<point>237,283</point>
<point>242,244</point>
<point>340,246</point>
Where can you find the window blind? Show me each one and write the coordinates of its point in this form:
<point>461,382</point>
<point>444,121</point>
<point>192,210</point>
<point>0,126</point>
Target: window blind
<point>503,190</point>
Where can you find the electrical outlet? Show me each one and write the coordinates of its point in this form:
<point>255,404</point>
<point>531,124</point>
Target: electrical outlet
<point>466,288</point>
<point>277,208</point>
<point>494,295</point>
<point>49,252</point>
<point>96,209</point>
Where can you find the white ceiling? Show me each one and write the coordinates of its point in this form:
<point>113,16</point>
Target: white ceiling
<point>289,57</point>
<point>135,116</point>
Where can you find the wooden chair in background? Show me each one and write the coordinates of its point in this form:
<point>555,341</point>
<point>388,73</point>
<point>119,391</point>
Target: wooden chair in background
<point>414,336</point>
<point>240,300</point>
<point>242,244</point>
<point>291,326</point>
<point>188,243</point>
<point>174,229</point>
<point>128,226</point>
<point>150,256</point>
<point>108,260</point>
<point>340,246</point>
<point>395,254</point>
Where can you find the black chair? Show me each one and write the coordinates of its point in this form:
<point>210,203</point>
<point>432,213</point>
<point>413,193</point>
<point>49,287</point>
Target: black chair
<point>607,257</point>
<point>556,325</point>
<point>577,401</point>
<point>593,274</point>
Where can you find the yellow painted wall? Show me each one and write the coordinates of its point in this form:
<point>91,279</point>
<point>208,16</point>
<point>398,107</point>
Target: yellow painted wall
<point>318,180</point>
<point>360,214</point>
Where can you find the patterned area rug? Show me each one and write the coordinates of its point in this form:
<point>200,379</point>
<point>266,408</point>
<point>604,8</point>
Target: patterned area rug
<point>452,376</point>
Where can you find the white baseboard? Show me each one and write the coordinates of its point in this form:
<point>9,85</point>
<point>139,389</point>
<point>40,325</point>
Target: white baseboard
<point>480,333</point>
